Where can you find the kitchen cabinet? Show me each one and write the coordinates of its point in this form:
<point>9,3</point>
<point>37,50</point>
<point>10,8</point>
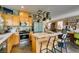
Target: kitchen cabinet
<point>11,20</point>
<point>12,40</point>
<point>25,18</point>
<point>37,38</point>
<point>10,43</point>
<point>8,21</point>
<point>33,42</point>
<point>16,38</point>
<point>16,20</point>
<point>30,20</point>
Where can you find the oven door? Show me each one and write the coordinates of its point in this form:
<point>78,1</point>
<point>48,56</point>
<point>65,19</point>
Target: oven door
<point>24,39</point>
<point>24,36</point>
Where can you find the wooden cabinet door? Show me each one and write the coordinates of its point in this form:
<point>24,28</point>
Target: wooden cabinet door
<point>16,38</point>
<point>30,21</point>
<point>16,21</point>
<point>7,19</point>
<point>33,43</point>
<point>9,44</point>
<point>12,40</point>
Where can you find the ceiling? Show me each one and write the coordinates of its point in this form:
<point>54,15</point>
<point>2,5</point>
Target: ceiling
<point>57,11</point>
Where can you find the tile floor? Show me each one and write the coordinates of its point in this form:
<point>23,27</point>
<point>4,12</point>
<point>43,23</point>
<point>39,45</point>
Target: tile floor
<point>21,49</point>
<point>27,49</point>
<point>73,48</point>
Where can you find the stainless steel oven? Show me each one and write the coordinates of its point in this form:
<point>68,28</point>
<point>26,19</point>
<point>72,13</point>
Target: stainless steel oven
<point>24,37</point>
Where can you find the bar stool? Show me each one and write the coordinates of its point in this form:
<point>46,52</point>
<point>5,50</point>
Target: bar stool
<point>49,42</point>
<point>62,43</point>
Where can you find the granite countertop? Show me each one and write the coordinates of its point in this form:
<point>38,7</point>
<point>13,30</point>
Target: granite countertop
<point>42,35</point>
<point>5,36</point>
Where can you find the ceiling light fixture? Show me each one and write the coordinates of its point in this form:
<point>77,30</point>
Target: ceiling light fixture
<point>22,7</point>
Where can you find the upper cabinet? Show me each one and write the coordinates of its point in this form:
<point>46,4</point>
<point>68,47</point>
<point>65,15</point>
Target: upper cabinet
<point>30,20</point>
<point>16,20</point>
<point>7,19</point>
<point>11,20</point>
<point>25,18</point>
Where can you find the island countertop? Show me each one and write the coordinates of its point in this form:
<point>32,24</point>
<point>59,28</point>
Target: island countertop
<point>42,35</point>
<point>4,37</point>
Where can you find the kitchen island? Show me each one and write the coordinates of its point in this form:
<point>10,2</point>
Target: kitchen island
<point>11,39</point>
<point>36,38</point>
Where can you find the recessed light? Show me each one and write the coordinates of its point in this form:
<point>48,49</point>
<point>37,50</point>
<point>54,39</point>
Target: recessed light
<point>22,7</point>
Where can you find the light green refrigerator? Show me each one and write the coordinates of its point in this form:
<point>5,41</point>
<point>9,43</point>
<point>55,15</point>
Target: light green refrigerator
<point>38,27</point>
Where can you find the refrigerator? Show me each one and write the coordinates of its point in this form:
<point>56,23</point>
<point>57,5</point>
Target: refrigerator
<point>38,27</point>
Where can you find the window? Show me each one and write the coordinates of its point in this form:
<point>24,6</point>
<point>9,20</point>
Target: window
<point>60,25</point>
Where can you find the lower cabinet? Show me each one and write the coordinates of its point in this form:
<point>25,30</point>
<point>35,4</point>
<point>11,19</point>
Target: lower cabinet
<point>16,38</point>
<point>33,42</point>
<point>12,40</point>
